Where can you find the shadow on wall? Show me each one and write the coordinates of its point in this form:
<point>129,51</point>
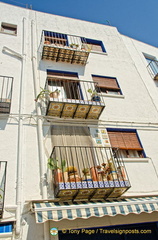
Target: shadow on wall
<point>3,123</point>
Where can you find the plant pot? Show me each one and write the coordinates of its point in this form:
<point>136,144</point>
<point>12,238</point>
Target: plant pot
<point>122,173</point>
<point>58,176</point>
<point>54,94</point>
<point>73,177</point>
<point>94,173</point>
<point>46,42</point>
<point>96,98</point>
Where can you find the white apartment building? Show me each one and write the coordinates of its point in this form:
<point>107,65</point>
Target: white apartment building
<point>78,130</point>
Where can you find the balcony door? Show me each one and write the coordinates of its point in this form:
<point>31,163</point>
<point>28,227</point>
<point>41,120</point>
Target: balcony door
<point>66,83</point>
<point>74,145</point>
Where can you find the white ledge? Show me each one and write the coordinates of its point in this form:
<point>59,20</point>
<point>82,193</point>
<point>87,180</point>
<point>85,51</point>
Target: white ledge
<point>141,160</point>
<point>113,95</point>
<point>12,34</point>
<point>8,234</point>
<point>102,53</point>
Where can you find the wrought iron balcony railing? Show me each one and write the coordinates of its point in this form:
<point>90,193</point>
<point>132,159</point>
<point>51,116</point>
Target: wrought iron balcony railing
<point>64,48</point>
<point>3,168</point>
<point>153,69</point>
<point>70,98</point>
<point>88,173</point>
<point>6,84</point>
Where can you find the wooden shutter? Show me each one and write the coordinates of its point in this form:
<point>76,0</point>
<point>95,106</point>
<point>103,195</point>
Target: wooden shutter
<point>95,47</point>
<point>124,140</point>
<point>105,82</point>
<point>71,136</point>
<point>64,75</point>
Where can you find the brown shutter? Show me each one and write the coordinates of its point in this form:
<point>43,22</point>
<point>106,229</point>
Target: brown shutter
<point>62,75</point>
<point>109,83</point>
<point>71,136</point>
<point>124,140</point>
<point>95,47</point>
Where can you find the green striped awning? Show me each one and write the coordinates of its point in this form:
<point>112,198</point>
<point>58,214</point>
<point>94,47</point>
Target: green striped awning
<point>57,211</point>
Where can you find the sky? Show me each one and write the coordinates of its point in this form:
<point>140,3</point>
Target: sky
<point>137,19</point>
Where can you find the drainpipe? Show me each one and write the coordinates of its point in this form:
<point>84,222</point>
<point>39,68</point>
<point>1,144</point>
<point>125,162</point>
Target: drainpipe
<point>39,125</point>
<point>19,193</point>
<point>19,183</point>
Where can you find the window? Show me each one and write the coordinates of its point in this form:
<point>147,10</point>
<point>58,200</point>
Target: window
<point>58,39</point>
<point>107,85</point>
<point>152,65</point>
<point>6,227</point>
<point>128,143</point>
<point>66,82</point>
<point>94,45</point>
<point>9,28</point>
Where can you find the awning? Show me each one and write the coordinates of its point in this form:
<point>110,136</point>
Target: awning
<point>57,211</point>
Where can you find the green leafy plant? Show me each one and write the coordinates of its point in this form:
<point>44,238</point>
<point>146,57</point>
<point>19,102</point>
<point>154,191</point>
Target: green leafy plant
<point>85,171</point>
<point>92,92</point>
<point>53,164</point>
<point>74,45</point>
<point>45,93</point>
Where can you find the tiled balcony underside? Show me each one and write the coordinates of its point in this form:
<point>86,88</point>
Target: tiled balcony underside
<point>65,55</point>
<point>91,189</point>
<point>73,109</point>
<point>5,107</point>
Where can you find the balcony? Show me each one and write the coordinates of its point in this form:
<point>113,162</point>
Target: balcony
<point>153,69</point>
<point>88,173</point>
<point>5,94</point>
<point>70,99</point>
<point>3,167</point>
<point>60,47</point>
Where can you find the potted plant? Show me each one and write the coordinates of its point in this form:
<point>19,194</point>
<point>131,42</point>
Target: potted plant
<point>72,174</point>
<point>45,93</point>
<point>55,94</point>
<point>94,95</point>
<point>86,173</point>
<point>74,45</point>
<point>57,170</point>
<point>46,42</point>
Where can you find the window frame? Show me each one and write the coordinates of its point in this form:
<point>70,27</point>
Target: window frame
<point>58,39</point>
<point>108,91</point>
<point>89,41</point>
<point>141,153</point>
<point>12,27</point>
<point>69,77</point>
<point>152,65</point>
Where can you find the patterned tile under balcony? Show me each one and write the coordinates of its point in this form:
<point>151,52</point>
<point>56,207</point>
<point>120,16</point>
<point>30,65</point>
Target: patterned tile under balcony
<point>71,108</point>
<point>86,190</point>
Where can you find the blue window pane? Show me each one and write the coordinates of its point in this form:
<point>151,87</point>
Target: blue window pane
<point>5,228</point>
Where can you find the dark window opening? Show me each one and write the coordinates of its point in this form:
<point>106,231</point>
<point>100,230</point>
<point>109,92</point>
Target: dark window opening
<point>9,28</point>
<point>57,39</point>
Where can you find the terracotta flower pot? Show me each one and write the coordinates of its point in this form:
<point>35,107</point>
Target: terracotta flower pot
<point>54,94</point>
<point>94,174</point>
<point>58,176</point>
<point>46,42</point>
